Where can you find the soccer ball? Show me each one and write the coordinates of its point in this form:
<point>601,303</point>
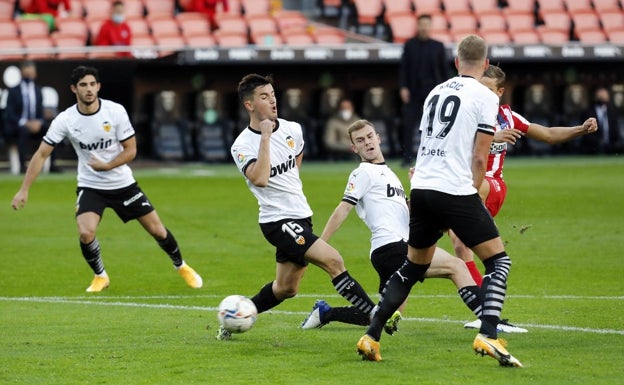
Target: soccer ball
<point>237,313</point>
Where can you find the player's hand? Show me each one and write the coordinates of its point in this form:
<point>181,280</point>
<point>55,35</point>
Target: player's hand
<point>19,200</point>
<point>267,126</point>
<point>509,135</point>
<point>410,172</point>
<point>98,164</point>
<point>590,125</point>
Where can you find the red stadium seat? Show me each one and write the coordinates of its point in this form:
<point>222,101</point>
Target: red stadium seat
<point>230,39</point>
<point>169,44</point>
<point>396,6</point>
<point>32,28</point>
<point>496,37</point>
<point>234,8</point>
<point>261,24</point>
<point>520,21</point>
<point>267,39</point>
<point>427,6</point>
<point>132,8</point>
<point>462,23</point>
<point>403,26</point>
<point>256,7</point>
<point>557,19</point>
<point>551,6</point>
<point>529,36</point>
<point>138,27</point>
<point>368,11</point>
<point>190,27</point>
<point>298,38</point>
<point>38,47</point>
<point>97,9</point>
<point>613,19</point>
<point>232,23</point>
<point>574,6</point>
<point>439,22</point>
<point>72,27</point>
<point>163,26</point>
<point>456,6</point>
<point>11,44</point>
<point>592,36</point>
<point>549,36</point>
<point>585,21</point>
<point>159,7</point>
<point>70,47</point>
<point>491,22</point>
<point>328,36</point>
<point>200,41</point>
<point>521,6</point>
<point>616,35</point>
<point>606,5</point>
<point>480,7</point>
<point>7,9</point>
<point>290,19</point>
<point>8,29</point>
<point>442,36</point>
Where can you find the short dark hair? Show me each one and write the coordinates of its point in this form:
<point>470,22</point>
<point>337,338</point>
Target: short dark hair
<point>249,83</point>
<point>496,73</point>
<point>82,71</point>
<point>27,63</point>
<point>424,16</point>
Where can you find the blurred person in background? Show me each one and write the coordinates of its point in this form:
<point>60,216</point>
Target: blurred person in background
<point>115,31</point>
<point>46,10</point>
<point>336,137</point>
<point>608,140</point>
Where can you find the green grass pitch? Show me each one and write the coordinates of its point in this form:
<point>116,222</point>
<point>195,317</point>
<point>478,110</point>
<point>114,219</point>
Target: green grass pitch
<point>563,224</point>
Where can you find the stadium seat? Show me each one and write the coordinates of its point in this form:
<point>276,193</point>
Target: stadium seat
<point>368,11</point>
<point>256,7</point>
<point>38,47</point>
<point>520,6</point>
<point>8,29</point>
<point>163,26</point>
<point>574,6</point>
<point>528,36</point>
<point>616,35</point>
<point>427,6</point>
<point>232,23</point>
<point>191,27</point>
<point>8,44</point>
<point>72,27</point>
<point>442,36</point>
<point>551,6</point>
<point>138,26</point>
<point>69,47</point>
<point>496,37</point>
<point>606,5</point>
<point>456,6</point>
<point>287,19</point>
<point>267,39</point>
<point>32,28</point>
<point>132,8</point>
<point>550,36</point>
<point>328,36</point>
<point>261,24</point>
<point>462,23</point>
<point>556,19</point>
<point>200,41</point>
<point>490,21</point>
<point>169,44</point>
<point>520,21</point>
<point>230,38</point>
<point>183,16</point>
<point>612,19</point>
<point>480,7</point>
<point>585,21</point>
<point>596,36</point>
<point>396,6</point>
<point>159,7</point>
<point>94,28</point>
<point>234,8</point>
<point>403,26</point>
<point>7,10</point>
<point>144,41</point>
<point>76,10</point>
<point>439,22</point>
<point>298,38</point>
<point>97,9</point>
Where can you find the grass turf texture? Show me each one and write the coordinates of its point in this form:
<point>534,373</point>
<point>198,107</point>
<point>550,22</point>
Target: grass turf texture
<point>562,223</point>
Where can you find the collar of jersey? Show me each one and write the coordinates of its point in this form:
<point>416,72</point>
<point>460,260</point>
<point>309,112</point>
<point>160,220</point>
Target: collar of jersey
<point>258,132</point>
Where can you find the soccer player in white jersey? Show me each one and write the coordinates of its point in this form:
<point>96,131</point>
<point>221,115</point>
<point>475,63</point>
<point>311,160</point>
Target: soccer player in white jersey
<point>380,201</point>
<point>103,138</point>
<point>456,134</point>
<point>510,126</point>
<point>269,152</point>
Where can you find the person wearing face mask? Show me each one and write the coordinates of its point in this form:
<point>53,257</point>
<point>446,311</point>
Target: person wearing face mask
<point>608,140</point>
<point>23,116</point>
<point>336,137</point>
<point>115,31</point>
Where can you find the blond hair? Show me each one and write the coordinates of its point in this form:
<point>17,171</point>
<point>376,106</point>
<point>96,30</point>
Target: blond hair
<point>472,50</point>
<point>358,125</point>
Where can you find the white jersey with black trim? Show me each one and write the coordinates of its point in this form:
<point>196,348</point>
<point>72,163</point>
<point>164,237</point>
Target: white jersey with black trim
<point>453,113</point>
<point>283,197</point>
<point>379,200</point>
<point>96,135</point>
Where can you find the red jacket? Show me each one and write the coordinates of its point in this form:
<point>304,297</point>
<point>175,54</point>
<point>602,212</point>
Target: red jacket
<point>208,8</point>
<point>112,34</point>
<point>47,6</point>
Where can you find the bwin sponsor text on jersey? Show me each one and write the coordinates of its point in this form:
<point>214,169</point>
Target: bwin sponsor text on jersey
<point>392,191</point>
<point>101,145</point>
<point>284,167</point>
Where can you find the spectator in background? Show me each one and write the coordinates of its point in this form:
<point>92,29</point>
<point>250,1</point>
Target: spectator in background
<point>607,140</point>
<point>336,136</point>
<point>47,10</point>
<point>23,116</point>
<point>208,8</point>
<point>423,65</point>
<point>115,31</point>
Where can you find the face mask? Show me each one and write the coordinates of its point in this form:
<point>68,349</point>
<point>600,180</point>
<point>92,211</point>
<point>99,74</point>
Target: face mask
<point>118,18</point>
<point>346,114</point>
<point>210,116</point>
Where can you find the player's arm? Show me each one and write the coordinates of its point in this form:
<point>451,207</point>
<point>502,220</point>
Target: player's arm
<point>480,156</point>
<point>125,156</point>
<point>259,171</point>
<point>34,168</point>
<point>555,135</point>
<point>336,219</point>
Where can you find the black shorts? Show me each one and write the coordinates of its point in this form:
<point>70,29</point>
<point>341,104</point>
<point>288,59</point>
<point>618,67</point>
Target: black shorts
<point>291,238</point>
<point>129,202</point>
<point>433,212</point>
<point>387,259</point>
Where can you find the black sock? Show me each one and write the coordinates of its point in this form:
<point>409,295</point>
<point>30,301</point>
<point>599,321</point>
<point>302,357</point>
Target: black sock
<point>353,292</point>
<point>494,288</point>
<point>394,294</point>
<point>170,246</point>
<point>471,295</point>
<point>265,299</point>
<point>348,315</point>
<point>91,253</point>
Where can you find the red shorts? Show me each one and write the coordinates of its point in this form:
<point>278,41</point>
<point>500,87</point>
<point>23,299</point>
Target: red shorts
<point>496,197</point>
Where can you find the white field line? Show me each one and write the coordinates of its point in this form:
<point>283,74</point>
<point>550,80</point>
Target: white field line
<point>98,302</point>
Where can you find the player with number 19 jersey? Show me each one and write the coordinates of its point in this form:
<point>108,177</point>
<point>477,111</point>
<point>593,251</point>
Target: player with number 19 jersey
<point>283,197</point>
<point>453,113</point>
<point>97,135</point>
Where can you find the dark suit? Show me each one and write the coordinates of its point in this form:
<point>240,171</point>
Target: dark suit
<point>16,133</point>
<point>607,140</point>
<point>423,66</point>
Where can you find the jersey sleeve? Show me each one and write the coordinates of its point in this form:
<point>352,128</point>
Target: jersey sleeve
<point>243,155</point>
<point>489,112</point>
<point>57,130</point>
<point>520,122</point>
<point>298,132</point>
<point>124,127</point>
<point>358,185</point>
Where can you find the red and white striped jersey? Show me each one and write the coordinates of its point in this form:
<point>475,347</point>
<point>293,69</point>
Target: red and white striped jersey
<point>507,119</point>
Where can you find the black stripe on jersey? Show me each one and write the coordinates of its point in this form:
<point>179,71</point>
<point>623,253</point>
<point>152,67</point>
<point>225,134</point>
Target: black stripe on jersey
<point>244,169</point>
<point>350,200</point>
<point>48,141</point>
<point>486,129</point>
<point>123,140</point>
